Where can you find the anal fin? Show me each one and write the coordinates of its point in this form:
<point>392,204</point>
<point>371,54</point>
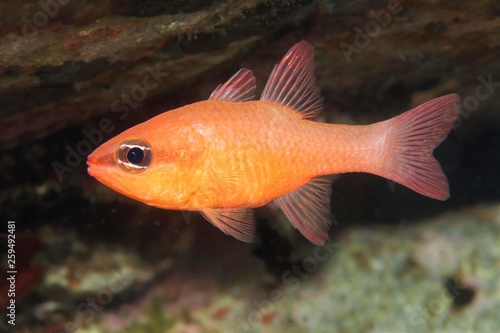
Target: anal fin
<point>308,209</point>
<point>237,222</point>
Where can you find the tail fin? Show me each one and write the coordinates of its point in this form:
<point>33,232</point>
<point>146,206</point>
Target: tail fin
<point>415,134</point>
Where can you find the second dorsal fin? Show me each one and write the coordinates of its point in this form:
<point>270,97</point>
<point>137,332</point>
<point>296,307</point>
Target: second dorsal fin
<point>292,82</point>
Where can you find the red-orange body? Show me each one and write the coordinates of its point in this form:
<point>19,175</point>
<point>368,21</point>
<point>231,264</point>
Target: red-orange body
<point>231,153</point>
<point>249,153</point>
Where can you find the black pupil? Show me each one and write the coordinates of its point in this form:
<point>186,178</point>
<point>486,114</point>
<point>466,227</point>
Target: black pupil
<point>135,155</point>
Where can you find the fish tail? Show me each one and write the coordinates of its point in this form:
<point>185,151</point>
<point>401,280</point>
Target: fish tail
<point>413,136</point>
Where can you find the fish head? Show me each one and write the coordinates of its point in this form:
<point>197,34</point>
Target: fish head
<point>157,165</point>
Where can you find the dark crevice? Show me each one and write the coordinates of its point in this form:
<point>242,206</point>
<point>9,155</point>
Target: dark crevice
<point>460,294</point>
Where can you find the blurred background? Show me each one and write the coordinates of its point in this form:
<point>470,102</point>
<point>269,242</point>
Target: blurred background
<point>76,73</point>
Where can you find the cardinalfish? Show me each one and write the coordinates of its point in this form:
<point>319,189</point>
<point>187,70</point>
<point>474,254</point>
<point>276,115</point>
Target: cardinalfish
<point>231,153</point>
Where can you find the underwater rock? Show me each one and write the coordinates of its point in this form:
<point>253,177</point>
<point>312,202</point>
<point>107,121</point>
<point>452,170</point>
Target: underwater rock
<point>62,62</point>
<point>371,279</point>
<point>371,52</point>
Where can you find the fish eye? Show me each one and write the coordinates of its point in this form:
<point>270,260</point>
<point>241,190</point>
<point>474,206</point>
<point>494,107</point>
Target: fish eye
<point>134,155</point>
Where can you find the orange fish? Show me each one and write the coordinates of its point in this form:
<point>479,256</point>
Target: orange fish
<point>231,153</point>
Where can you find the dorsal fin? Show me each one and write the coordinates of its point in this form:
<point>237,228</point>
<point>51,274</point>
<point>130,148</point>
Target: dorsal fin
<point>292,82</point>
<point>239,88</point>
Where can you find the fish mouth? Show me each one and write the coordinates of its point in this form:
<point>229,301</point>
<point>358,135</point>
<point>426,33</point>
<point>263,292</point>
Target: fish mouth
<point>91,172</point>
<point>99,172</point>
<point>105,175</point>
<point>99,164</point>
<point>92,167</point>
<point>102,174</point>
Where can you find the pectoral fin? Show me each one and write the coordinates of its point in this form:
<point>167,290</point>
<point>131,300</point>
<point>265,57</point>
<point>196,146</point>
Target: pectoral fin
<point>308,208</point>
<point>228,184</point>
<point>237,222</point>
